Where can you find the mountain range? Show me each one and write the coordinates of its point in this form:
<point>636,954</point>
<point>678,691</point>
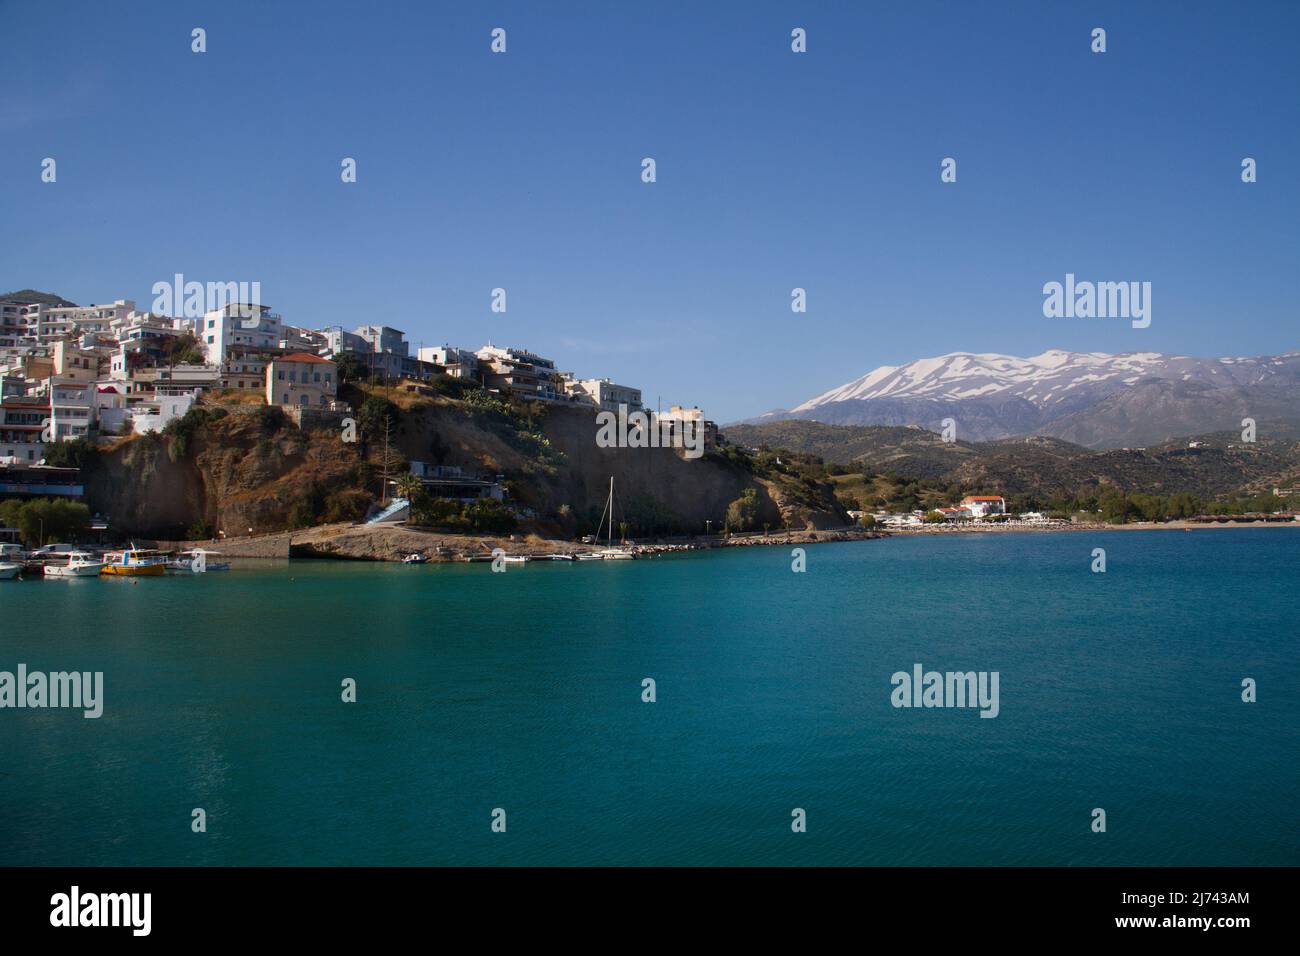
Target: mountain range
<point>1092,399</point>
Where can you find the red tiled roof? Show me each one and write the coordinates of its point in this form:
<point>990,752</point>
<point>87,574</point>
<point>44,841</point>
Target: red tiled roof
<point>982,498</point>
<point>302,357</point>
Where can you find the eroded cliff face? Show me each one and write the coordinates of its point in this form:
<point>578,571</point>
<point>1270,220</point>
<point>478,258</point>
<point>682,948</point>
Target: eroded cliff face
<point>143,492</point>
<point>251,468</point>
<point>246,469</point>
<point>555,470</point>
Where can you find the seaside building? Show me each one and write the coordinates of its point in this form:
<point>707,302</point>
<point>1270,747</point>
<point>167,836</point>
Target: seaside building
<point>27,480</point>
<point>519,372</point>
<point>981,506</point>
<point>22,424</point>
<point>457,363</point>
<point>13,327</point>
<point>451,481</point>
<point>167,405</point>
<point>302,380</point>
<point>677,416</point>
<point>70,410</point>
<point>603,394</point>
<point>238,324</point>
<point>245,370</point>
<point>338,341</point>
<point>75,364</point>
<point>35,323</point>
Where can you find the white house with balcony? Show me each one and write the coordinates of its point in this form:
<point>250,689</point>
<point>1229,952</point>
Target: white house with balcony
<point>238,323</point>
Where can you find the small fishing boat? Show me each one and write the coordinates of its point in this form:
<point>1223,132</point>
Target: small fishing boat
<point>197,561</point>
<point>81,564</point>
<point>592,556</point>
<point>416,558</point>
<point>556,557</point>
<point>135,562</point>
<point>516,558</point>
<point>9,570</point>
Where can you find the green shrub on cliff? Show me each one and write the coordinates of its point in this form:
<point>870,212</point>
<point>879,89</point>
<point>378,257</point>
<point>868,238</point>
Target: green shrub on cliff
<point>180,431</point>
<point>78,453</point>
<point>350,504</point>
<point>376,412</point>
<point>742,514</point>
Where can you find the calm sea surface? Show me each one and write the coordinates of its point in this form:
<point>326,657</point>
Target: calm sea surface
<point>522,691</point>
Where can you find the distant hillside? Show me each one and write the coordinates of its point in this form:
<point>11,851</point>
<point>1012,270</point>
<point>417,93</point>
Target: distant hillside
<point>1046,467</point>
<point>32,296</point>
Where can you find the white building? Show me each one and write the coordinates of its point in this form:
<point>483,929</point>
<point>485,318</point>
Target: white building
<point>238,323</point>
<point>70,408</point>
<point>603,393</point>
<point>166,406</point>
<point>22,425</point>
<point>981,506</point>
<point>457,363</point>
<point>519,372</point>
<point>44,324</point>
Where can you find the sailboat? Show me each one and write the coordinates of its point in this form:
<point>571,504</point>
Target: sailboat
<point>609,552</point>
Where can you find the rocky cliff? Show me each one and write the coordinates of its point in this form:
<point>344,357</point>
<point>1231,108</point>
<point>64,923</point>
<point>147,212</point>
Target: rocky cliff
<point>239,468</point>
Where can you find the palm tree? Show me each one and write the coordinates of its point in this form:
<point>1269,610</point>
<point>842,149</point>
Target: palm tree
<point>408,486</point>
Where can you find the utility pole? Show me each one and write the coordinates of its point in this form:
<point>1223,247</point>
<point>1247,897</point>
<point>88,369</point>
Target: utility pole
<point>383,491</point>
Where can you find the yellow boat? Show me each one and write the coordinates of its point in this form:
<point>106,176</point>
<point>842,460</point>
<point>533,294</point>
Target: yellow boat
<point>135,562</point>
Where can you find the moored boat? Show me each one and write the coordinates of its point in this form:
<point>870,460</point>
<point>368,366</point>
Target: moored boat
<point>196,561</point>
<point>9,570</point>
<point>609,552</point>
<point>81,564</point>
<point>135,562</point>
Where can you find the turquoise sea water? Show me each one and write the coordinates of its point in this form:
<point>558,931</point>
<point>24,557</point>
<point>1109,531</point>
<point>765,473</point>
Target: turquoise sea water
<point>523,690</point>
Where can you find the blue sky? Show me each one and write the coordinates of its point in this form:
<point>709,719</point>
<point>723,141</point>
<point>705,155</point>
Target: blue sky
<point>775,170</point>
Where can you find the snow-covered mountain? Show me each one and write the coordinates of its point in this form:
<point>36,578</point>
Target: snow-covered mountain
<point>1092,398</point>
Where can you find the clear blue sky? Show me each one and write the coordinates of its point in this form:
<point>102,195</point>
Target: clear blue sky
<point>775,170</point>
